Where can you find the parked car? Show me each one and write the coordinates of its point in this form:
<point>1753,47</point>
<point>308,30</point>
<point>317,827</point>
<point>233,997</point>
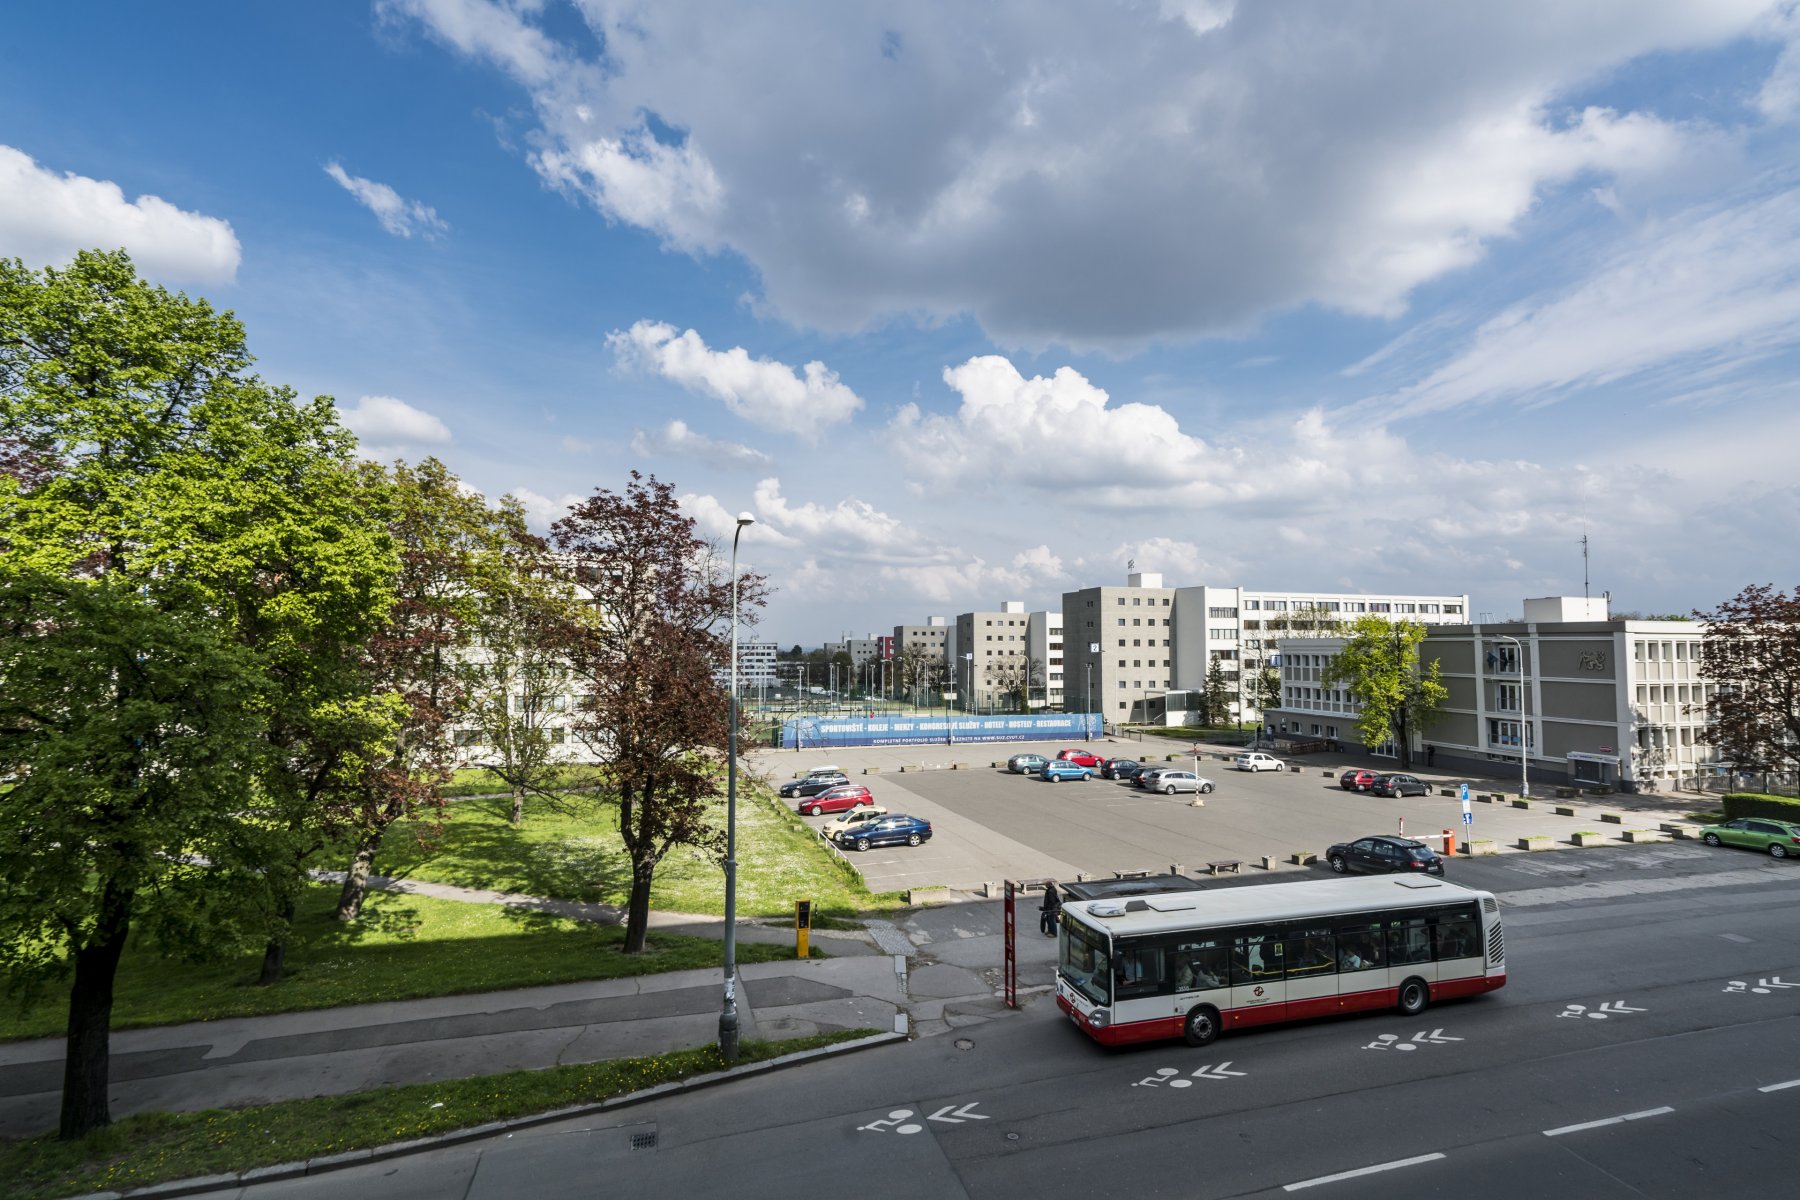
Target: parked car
<point>1026,764</point>
<point>1778,838</point>
<point>1357,781</point>
<point>1384,852</point>
<point>811,785</point>
<point>842,798</point>
<point>1256,760</point>
<point>1132,773</point>
<point>888,831</point>
<point>851,819</point>
<point>1146,778</point>
<point>1399,785</point>
<point>1170,782</point>
<point>1120,768</point>
<point>1059,769</point>
<point>1085,758</point>
<point>826,769</point>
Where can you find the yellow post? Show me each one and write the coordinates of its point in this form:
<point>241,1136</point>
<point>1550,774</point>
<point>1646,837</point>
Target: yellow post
<point>802,927</point>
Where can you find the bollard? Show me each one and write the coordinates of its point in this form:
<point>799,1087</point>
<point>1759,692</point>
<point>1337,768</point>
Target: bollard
<point>1177,869</point>
<point>1449,844</point>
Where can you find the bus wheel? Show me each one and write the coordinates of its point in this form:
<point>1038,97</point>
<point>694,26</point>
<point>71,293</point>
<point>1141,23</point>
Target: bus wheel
<point>1202,1025</point>
<point>1414,996</point>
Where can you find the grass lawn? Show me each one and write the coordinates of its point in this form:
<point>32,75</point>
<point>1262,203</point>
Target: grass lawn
<point>403,947</point>
<point>154,1147</point>
<point>578,856</point>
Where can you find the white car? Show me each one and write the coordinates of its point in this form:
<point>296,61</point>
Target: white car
<point>1256,760</point>
<point>856,816</point>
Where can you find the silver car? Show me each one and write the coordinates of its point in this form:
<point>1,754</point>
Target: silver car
<point>1170,782</point>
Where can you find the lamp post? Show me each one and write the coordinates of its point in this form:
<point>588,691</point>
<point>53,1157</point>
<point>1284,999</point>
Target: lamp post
<point>1087,731</point>
<point>1524,718</point>
<point>969,704</point>
<point>728,1016</point>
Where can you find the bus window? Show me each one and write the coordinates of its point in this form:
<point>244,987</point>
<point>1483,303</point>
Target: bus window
<point>1310,952</point>
<point>1408,941</point>
<point>1458,936</point>
<point>1255,958</point>
<point>1199,965</point>
<point>1083,962</point>
<point>1137,970</point>
<point>1360,947</point>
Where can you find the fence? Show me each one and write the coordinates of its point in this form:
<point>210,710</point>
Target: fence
<point>825,732</point>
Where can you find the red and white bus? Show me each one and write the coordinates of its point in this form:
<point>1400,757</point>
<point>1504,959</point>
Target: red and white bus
<point>1193,964</point>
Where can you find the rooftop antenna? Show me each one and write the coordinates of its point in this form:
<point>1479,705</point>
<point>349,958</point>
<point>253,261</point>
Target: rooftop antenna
<point>1584,567</point>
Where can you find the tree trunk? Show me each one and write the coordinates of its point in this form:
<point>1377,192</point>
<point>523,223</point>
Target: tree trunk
<point>89,1035</point>
<point>274,963</point>
<point>356,879</point>
<point>518,810</point>
<point>637,913</point>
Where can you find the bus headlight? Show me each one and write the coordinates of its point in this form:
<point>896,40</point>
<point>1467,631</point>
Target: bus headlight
<point>1100,1018</point>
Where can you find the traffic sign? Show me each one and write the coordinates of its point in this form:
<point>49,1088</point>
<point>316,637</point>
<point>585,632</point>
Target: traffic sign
<point>1468,818</point>
<point>1465,792</point>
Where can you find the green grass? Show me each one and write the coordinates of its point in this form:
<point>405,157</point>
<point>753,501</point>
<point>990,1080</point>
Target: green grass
<point>155,1147</point>
<point>577,855</point>
<point>404,947</point>
<point>477,781</point>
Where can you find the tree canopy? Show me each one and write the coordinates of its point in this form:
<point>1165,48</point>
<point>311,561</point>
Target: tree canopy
<point>1381,669</point>
<point>1751,652</point>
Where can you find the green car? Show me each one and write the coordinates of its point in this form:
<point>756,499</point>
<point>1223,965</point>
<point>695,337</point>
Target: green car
<point>1759,833</point>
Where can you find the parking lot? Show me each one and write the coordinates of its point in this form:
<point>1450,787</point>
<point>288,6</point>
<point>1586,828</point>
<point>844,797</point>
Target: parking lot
<point>989,825</point>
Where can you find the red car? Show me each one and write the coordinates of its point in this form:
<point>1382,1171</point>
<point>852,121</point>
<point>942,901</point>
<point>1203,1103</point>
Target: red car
<point>842,798</point>
<point>1358,781</point>
<point>1081,758</point>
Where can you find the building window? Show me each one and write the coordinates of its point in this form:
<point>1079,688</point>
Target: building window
<point>1506,697</point>
<point>1506,733</point>
<point>1221,612</point>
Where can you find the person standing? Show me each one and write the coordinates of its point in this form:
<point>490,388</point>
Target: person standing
<point>1048,912</point>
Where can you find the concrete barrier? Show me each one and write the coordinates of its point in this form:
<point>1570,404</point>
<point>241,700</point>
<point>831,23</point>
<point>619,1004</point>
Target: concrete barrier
<point>1564,810</point>
<point>1522,802</point>
<point>1269,862</point>
<point>1679,831</point>
<point>1477,847</point>
<point>1645,835</point>
<point>1587,839</point>
<point>1613,818</point>
<point>1535,842</point>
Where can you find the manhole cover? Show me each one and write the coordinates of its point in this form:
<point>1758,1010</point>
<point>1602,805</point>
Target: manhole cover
<point>964,1044</point>
<point>643,1141</point>
<point>1012,1137</point>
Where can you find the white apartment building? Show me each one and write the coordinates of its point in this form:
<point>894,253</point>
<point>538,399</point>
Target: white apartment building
<point>988,652</point>
<point>1129,648</point>
<point>1044,645</point>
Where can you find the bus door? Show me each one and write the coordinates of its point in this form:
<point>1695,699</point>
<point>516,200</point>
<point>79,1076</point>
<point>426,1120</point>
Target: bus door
<point>1258,978</point>
<point>1312,972</point>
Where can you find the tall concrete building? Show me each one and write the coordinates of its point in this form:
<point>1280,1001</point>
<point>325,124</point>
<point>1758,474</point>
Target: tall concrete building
<point>989,653</point>
<point>1142,652</point>
<point>1044,646</point>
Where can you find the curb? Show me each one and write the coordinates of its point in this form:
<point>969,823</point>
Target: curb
<point>353,1158</point>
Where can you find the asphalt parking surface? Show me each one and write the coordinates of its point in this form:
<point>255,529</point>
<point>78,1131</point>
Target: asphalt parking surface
<point>989,825</point>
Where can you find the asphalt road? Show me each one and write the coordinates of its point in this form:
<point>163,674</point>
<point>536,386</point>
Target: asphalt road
<point>1647,1045</point>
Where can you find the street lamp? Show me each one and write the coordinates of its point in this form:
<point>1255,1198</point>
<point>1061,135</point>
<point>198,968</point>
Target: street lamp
<point>969,704</point>
<point>1524,718</point>
<point>728,1016</point>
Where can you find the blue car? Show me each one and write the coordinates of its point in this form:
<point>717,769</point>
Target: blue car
<point>888,831</point>
<point>1058,769</point>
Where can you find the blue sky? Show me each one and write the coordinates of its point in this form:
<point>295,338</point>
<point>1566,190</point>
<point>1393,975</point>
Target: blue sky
<point>979,303</point>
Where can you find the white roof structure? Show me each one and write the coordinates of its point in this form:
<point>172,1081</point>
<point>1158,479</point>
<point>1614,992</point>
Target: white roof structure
<point>1268,903</point>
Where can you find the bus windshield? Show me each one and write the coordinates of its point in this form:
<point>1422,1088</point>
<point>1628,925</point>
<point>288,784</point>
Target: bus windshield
<point>1082,961</point>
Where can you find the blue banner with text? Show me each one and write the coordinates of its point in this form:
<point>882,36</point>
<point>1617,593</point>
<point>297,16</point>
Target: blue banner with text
<point>800,733</point>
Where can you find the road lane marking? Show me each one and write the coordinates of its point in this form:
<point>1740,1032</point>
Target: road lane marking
<point>1376,1169</point>
<point>1636,1116</point>
<point>1776,1087</point>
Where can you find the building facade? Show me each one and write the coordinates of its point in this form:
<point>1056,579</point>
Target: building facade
<point>989,655</point>
<point>1588,700</point>
<point>1044,648</point>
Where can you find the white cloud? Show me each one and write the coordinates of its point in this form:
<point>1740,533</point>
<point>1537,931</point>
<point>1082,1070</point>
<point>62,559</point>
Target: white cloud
<point>398,215</point>
<point>575,445</point>
<point>1101,176</point>
<point>678,440</point>
<point>1708,290</point>
<point>385,426</point>
<point>763,392</point>
<point>46,217</point>
<point>540,510</point>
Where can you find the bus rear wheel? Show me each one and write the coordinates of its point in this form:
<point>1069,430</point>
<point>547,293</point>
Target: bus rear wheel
<point>1414,996</point>
<point>1202,1025</point>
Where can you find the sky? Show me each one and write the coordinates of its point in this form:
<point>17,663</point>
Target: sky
<point>977,303</point>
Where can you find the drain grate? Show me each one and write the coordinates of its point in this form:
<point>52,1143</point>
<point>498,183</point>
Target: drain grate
<point>643,1141</point>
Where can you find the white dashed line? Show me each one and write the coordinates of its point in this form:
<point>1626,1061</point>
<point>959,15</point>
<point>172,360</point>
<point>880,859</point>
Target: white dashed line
<point>1636,1116</point>
<point>1776,1087</point>
<point>1379,1167</point>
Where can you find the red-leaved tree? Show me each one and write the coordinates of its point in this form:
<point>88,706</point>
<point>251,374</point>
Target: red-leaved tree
<point>1751,652</point>
<point>644,649</point>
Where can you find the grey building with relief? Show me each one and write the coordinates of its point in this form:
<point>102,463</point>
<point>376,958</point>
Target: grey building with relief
<point>1591,700</point>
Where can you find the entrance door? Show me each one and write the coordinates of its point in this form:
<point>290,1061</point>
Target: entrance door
<point>1258,979</point>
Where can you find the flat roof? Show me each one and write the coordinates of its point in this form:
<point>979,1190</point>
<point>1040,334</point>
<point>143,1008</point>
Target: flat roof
<point>1270,902</point>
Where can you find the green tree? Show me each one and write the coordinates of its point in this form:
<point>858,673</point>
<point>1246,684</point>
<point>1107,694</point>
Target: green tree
<point>155,494</point>
<point>1380,667</point>
<point>646,649</point>
<point>1751,651</point>
<point>1217,696</point>
<point>517,675</point>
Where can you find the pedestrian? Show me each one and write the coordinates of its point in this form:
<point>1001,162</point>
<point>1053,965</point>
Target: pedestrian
<point>1048,912</point>
<point>1430,755</point>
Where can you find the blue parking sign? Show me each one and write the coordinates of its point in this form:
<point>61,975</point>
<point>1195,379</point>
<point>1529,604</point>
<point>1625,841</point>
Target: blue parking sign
<point>1468,818</point>
<point>1465,790</point>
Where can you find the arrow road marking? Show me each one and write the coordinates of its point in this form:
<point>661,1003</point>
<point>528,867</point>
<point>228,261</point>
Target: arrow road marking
<point>1615,1007</point>
<point>1435,1037</point>
<point>957,1115</point>
<point>1218,1072</point>
<point>1763,986</point>
<point>893,1123</point>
